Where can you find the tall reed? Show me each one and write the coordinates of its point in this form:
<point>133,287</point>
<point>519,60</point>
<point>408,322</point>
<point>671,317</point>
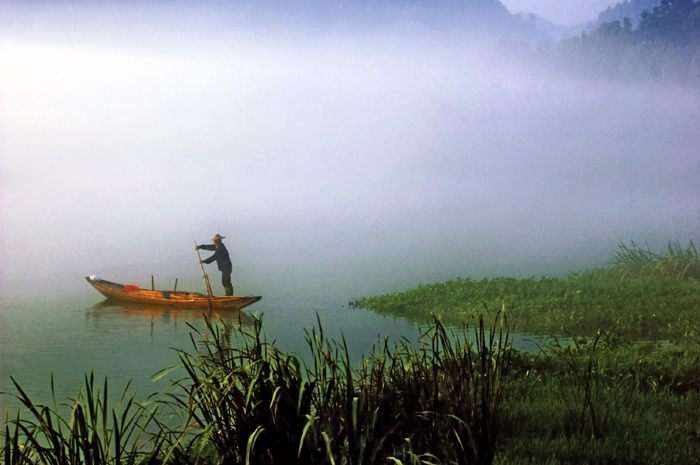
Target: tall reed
<point>93,433</point>
<point>255,405</point>
<point>678,262</point>
<point>592,393</point>
<point>249,403</point>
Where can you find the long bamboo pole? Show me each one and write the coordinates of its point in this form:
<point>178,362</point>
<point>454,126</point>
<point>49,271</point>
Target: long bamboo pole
<point>206,278</point>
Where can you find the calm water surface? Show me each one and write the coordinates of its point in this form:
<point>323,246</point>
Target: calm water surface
<point>71,336</point>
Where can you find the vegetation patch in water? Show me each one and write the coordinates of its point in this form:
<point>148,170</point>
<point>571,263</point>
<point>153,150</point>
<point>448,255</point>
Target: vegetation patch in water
<point>642,293</point>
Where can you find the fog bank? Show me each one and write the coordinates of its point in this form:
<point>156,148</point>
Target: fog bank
<point>337,161</point>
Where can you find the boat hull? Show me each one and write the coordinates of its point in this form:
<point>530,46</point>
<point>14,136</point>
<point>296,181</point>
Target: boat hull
<point>116,291</point>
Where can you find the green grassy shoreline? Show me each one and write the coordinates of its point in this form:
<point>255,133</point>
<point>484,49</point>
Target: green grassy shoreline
<point>642,295</point>
<point>580,303</point>
<point>451,397</point>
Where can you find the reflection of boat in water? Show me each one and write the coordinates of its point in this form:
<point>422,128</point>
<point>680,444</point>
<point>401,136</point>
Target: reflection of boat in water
<point>178,299</point>
<point>138,310</point>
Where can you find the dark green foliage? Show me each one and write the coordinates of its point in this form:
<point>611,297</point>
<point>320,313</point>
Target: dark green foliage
<point>250,402</point>
<point>602,400</point>
<point>92,433</point>
<point>256,405</point>
<point>593,393</point>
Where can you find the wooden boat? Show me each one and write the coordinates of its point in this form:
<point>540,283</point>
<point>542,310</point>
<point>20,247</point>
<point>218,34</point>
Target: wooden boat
<point>116,291</point>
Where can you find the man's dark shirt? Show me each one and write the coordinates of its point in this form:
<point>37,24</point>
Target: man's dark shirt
<point>223,261</point>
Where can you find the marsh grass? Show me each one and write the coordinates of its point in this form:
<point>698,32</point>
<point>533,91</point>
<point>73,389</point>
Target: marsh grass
<point>592,390</point>
<point>91,432</point>
<point>440,402</point>
<point>451,397</point>
<point>602,400</point>
<point>249,402</point>
<point>633,261</point>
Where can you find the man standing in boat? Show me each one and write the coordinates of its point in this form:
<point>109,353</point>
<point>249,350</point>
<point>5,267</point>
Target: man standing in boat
<point>223,261</point>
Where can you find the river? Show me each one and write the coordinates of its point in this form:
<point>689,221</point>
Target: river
<point>71,335</point>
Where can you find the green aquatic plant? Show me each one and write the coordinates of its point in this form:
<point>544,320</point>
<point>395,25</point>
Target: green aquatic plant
<point>248,401</point>
<point>451,397</point>
<point>678,262</point>
<point>90,433</point>
<point>644,294</point>
<point>256,405</point>
<point>593,394</point>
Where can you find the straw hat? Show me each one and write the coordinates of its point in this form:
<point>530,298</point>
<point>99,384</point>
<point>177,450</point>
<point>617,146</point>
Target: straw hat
<point>218,238</point>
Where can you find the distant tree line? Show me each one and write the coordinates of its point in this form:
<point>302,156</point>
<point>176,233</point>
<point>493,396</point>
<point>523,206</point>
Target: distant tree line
<point>631,9</point>
<point>664,46</point>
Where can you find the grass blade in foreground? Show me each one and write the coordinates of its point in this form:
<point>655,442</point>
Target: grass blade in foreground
<point>94,434</point>
<point>256,405</point>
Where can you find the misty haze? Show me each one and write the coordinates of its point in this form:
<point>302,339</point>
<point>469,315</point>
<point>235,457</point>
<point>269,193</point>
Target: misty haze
<point>353,160</point>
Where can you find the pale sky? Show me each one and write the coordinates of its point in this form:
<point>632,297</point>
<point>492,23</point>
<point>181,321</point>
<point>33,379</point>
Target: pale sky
<point>564,12</point>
